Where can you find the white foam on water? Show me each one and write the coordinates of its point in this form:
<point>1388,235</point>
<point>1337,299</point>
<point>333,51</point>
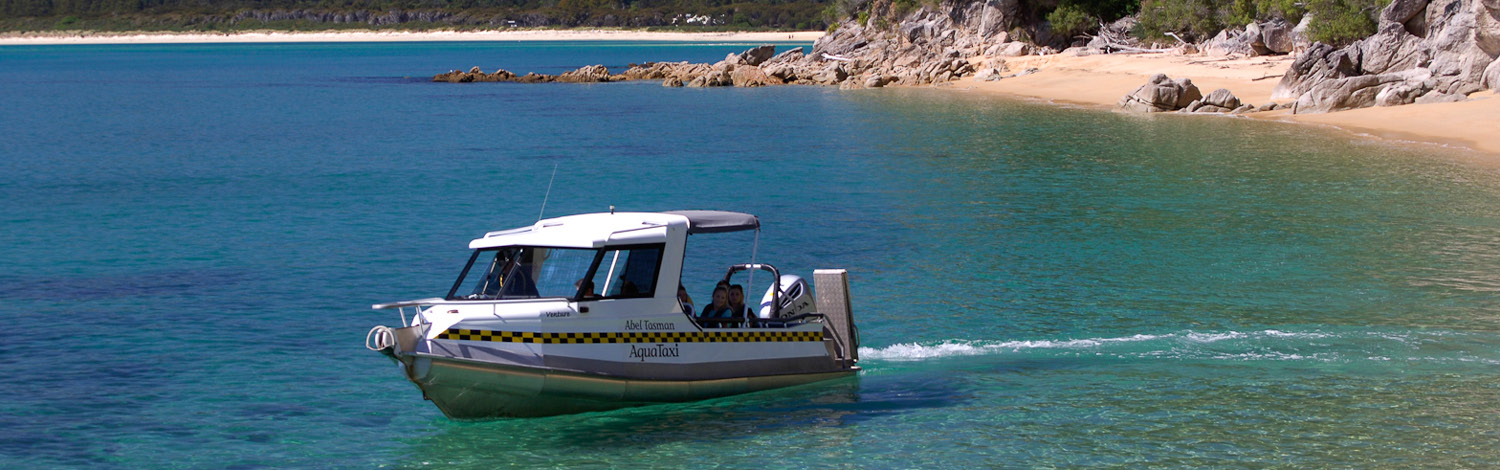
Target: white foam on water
<point>1266,345</point>
<point>916,351</point>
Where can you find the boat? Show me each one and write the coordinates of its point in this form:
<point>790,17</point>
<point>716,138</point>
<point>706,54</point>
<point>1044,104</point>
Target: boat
<point>581,313</point>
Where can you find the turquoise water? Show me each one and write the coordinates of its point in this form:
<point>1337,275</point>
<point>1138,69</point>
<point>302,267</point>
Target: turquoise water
<point>193,235</point>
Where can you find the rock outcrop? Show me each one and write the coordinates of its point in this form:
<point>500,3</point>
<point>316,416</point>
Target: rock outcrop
<point>1217,101</point>
<point>1161,94</point>
<point>1425,51</point>
<point>896,44</point>
<point>1256,39</point>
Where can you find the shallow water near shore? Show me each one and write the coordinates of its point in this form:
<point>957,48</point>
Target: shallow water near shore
<point>194,233</point>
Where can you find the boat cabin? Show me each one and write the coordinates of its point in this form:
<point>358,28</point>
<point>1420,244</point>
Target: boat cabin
<point>624,256</point>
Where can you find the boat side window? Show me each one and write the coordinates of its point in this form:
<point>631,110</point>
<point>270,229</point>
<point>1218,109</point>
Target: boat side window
<point>628,272</point>
<point>522,273</point>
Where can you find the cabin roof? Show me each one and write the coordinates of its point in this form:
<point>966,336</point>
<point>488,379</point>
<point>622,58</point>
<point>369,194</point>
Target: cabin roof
<point>718,221</point>
<point>619,228</point>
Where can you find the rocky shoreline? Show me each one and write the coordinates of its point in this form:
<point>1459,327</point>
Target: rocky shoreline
<point>1426,51</point>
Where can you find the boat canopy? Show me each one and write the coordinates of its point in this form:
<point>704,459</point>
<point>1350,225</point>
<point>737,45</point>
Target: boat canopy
<point>586,231</point>
<point>718,221</point>
<point>622,228</point>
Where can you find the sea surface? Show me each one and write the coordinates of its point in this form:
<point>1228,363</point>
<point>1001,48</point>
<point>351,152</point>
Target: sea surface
<point>191,237</point>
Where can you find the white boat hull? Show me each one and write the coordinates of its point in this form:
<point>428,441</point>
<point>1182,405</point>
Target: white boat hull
<point>470,379</point>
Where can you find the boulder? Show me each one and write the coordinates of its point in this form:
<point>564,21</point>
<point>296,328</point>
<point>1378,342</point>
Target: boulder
<point>750,76</point>
<point>1439,97</point>
<point>1397,95</point>
<point>792,55</point>
<point>651,70</point>
<point>1300,40</point>
<point>1160,94</point>
<point>1401,11</point>
<point>1491,78</point>
<point>1353,92</point>
<point>988,75</point>
<point>1392,50</point>
<point>757,55</point>
<point>1318,64</point>
<point>1015,49</point>
<point>1217,101</point>
<point>1277,37</point>
<point>875,81</point>
<point>1254,36</point>
<point>671,82</point>
<point>713,78</point>
<point>1231,42</point>
<point>831,75</point>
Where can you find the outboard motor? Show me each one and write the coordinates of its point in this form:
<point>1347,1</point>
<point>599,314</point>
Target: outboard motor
<point>796,298</point>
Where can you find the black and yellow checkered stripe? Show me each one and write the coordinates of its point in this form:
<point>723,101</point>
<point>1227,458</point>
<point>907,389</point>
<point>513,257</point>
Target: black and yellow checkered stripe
<point>631,337</point>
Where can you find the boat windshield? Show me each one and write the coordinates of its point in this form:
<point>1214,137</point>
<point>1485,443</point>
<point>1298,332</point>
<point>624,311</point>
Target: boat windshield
<point>527,272</point>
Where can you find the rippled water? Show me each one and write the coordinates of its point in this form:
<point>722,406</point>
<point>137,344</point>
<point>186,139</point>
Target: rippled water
<point>193,235</point>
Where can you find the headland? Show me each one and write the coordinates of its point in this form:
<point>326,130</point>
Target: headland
<point>87,37</point>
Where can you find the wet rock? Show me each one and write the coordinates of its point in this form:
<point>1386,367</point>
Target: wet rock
<point>1217,101</point>
<point>1160,94</point>
<point>714,78</point>
<point>750,76</point>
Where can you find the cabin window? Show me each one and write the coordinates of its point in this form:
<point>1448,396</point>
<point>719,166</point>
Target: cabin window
<point>523,273</point>
<point>628,271</point>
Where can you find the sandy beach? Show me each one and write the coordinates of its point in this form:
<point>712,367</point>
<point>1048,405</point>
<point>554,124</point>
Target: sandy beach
<point>1099,81</point>
<point>401,36</point>
<point>1092,81</point>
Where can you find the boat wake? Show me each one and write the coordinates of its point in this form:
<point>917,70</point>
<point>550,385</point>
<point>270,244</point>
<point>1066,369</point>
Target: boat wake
<point>1264,345</point>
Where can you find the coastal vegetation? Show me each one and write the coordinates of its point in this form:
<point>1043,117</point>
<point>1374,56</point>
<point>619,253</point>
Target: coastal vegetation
<point>1332,21</point>
<point>411,15</point>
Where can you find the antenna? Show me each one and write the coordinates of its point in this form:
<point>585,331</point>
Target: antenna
<point>549,193</point>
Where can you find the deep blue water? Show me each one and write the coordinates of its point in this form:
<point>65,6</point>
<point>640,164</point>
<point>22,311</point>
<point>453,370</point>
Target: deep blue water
<point>193,235</point>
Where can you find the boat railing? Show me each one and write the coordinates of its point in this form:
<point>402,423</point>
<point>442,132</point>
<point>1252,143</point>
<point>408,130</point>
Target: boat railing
<point>415,305</point>
<point>753,322</point>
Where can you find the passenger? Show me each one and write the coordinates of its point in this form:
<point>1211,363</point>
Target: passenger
<point>585,289</point>
<point>720,308</point>
<point>737,301</point>
<point>684,299</point>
